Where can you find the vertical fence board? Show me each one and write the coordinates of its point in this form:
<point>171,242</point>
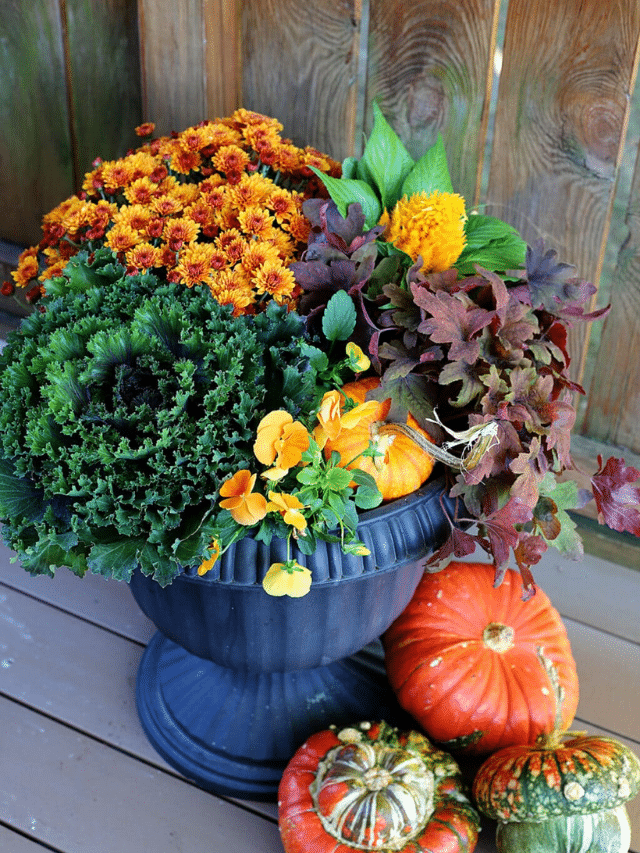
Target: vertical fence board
<point>35,150</point>
<point>430,69</point>
<point>613,407</point>
<point>561,116</point>
<point>300,64</point>
<point>105,77</point>
<point>223,56</point>
<point>173,62</point>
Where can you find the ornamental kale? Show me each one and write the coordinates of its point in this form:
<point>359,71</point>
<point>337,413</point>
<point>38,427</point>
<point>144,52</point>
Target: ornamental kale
<point>124,403</point>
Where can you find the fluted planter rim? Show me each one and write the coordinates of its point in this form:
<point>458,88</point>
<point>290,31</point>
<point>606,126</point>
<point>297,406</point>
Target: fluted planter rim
<point>385,530</point>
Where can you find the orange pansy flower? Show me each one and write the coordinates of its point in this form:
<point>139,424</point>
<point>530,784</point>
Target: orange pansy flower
<point>246,506</point>
<point>207,565</point>
<point>331,419</point>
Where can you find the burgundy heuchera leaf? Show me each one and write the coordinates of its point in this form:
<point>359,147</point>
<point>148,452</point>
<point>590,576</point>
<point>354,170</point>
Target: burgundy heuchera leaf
<point>618,501</point>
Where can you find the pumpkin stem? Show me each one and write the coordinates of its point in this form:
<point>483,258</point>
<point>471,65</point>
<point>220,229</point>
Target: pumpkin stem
<point>498,637</point>
<point>423,443</point>
<point>480,441</point>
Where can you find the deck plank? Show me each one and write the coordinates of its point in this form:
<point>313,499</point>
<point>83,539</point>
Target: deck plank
<point>72,670</point>
<point>65,789</point>
<point>87,662</point>
<point>86,679</point>
<point>608,673</point>
<point>108,603</point>
<point>13,842</point>
<point>593,591</point>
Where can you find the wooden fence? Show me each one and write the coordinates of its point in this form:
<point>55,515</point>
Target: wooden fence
<point>550,149</point>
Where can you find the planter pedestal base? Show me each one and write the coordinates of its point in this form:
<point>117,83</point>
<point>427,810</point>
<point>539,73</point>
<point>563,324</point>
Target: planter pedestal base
<point>234,732</point>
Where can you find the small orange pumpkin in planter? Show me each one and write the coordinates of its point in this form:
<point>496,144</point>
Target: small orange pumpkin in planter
<point>463,660</point>
<point>374,789</point>
<point>403,467</point>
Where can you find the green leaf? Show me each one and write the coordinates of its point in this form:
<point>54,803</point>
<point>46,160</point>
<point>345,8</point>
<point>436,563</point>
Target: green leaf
<point>331,520</point>
<point>339,317</point>
<point>307,544</point>
<point>19,498</point>
<point>430,173</point>
<point>492,244</point>
<point>337,503</point>
<point>565,497</point>
<point>116,559</point>
<point>385,161</point>
<point>318,359</point>
<point>350,167</point>
<point>367,498</point>
<point>348,191</point>
<point>367,495</point>
<point>54,552</point>
<point>338,479</point>
<point>307,476</point>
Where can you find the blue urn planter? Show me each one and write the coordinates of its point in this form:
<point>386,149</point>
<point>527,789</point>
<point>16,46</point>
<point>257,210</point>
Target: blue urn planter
<point>235,680</point>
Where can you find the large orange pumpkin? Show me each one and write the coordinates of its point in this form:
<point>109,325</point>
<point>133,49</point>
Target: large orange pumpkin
<point>463,660</point>
<point>405,465</point>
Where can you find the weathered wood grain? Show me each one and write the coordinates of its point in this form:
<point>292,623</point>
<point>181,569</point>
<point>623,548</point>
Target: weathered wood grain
<point>104,69</point>
<point>430,68</point>
<point>223,56</point>
<point>300,64</point>
<point>561,115</point>
<point>36,168</point>
<point>613,406</point>
<point>595,592</point>
<point>173,63</point>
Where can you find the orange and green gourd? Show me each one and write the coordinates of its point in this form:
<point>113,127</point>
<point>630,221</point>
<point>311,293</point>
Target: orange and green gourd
<point>372,788</point>
<point>565,794</point>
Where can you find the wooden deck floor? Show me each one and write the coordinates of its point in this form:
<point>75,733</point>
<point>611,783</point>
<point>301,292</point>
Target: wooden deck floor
<point>78,775</point>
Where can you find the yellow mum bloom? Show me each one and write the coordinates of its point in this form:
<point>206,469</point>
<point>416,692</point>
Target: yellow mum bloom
<point>428,226</point>
<point>288,578</point>
<point>274,278</point>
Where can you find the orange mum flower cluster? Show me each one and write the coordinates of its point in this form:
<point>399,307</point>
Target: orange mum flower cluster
<point>217,205</point>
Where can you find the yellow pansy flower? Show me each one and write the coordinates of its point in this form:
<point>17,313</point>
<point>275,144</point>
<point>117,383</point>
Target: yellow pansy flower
<point>289,508</point>
<point>288,578</point>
